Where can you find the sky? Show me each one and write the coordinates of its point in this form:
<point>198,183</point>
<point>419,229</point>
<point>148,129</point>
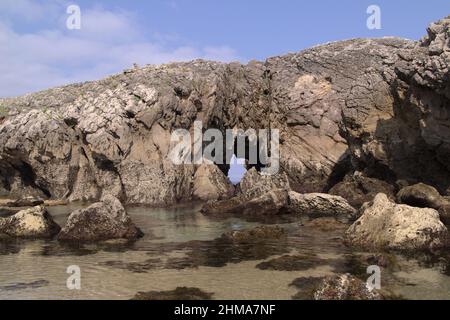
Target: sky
<point>38,51</point>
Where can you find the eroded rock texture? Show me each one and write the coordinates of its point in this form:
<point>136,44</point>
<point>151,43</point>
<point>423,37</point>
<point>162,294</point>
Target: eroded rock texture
<point>105,220</point>
<point>386,225</point>
<point>383,104</point>
<point>397,123</point>
<point>35,223</point>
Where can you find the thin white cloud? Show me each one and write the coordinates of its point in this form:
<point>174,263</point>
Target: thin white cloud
<point>108,42</point>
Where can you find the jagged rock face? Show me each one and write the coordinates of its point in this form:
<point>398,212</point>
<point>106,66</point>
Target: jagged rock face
<point>34,223</point>
<point>113,136</point>
<point>105,220</point>
<point>386,225</point>
<point>397,124</point>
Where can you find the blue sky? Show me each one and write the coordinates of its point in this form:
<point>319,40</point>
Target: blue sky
<point>37,51</point>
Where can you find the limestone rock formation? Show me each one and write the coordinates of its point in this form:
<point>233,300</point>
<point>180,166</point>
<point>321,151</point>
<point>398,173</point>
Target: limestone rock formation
<point>101,221</point>
<point>113,136</point>
<point>35,223</point>
<point>211,184</point>
<point>386,225</point>
<point>378,106</point>
<point>397,123</point>
<point>318,205</point>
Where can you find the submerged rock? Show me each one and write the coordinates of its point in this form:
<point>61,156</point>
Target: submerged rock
<point>180,293</point>
<point>326,224</point>
<point>344,287</point>
<point>387,225</point>
<point>101,221</point>
<point>292,263</point>
<point>320,205</point>
<point>307,286</point>
<point>35,222</point>
<point>420,195</point>
<point>260,233</point>
<point>25,285</point>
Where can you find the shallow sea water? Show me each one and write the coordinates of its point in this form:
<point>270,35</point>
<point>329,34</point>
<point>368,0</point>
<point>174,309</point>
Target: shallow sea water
<point>180,248</point>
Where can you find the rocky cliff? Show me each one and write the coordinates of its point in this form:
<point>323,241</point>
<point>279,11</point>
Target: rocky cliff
<point>375,105</point>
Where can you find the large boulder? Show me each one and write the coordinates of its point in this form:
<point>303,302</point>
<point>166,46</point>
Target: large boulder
<point>318,205</point>
<point>34,223</point>
<point>210,183</point>
<point>387,225</point>
<point>101,221</point>
<point>345,287</point>
<point>420,195</point>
